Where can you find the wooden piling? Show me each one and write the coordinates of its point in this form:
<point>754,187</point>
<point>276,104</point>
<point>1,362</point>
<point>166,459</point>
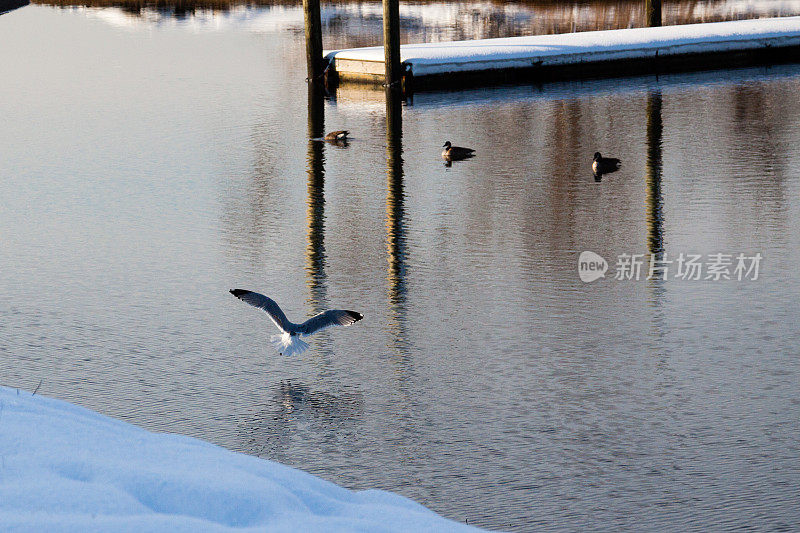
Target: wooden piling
<point>313,25</point>
<point>652,9</point>
<point>391,42</point>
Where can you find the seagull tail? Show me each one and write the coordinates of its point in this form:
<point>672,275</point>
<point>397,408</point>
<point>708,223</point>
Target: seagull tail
<point>288,345</point>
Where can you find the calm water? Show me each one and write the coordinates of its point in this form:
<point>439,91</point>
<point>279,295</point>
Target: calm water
<point>148,164</point>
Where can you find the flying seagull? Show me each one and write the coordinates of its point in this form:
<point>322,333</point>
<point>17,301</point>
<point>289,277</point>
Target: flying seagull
<point>289,342</point>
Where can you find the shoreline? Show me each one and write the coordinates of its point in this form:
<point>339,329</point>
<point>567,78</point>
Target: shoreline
<point>68,467</point>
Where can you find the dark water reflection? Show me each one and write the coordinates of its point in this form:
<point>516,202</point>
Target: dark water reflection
<point>349,24</point>
<point>395,221</point>
<point>149,169</point>
<point>655,200</point>
<point>315,264</point>
<point>10,5</point>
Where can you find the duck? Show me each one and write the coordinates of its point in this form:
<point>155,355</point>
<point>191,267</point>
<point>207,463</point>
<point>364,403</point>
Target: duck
<point>604,165</point>
<point>451,152</point>
<point>337,136</point>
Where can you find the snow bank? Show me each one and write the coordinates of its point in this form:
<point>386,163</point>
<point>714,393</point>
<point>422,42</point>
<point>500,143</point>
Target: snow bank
<point>66,468</point>
<point>590,46</point>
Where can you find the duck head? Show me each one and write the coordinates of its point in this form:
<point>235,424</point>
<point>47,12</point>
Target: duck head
<point>597,156</point>
<point>446,145</point>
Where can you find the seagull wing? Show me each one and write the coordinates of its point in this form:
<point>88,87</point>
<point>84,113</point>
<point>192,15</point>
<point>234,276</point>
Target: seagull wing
<point>267,304</point>
<point>334,317</point>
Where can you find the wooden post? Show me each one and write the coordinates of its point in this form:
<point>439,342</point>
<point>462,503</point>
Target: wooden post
<point>652,9</point>
<point>316,113</point>
<point>391,41</point>
<point>313,23</point>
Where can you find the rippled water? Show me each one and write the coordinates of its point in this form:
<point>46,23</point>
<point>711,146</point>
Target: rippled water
<point>147,168</point>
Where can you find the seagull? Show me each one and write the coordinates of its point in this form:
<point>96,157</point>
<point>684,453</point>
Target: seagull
<point>289,342</point>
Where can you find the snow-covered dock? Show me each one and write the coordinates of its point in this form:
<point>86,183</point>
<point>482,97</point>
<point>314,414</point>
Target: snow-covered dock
<point>577,55</point>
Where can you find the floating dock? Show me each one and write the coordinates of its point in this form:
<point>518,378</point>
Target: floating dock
<point>608,53</point>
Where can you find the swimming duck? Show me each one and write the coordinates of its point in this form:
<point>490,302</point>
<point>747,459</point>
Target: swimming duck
<point>604,165</point>
<point>337,136</point>
<point>451,152</point>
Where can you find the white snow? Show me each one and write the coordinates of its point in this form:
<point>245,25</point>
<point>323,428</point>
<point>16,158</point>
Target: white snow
<point>591,46</point>
<point>65,468</point>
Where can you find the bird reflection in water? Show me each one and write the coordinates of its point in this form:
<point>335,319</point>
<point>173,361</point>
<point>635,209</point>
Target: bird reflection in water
<point>297,411</point>
<point>298,399</point>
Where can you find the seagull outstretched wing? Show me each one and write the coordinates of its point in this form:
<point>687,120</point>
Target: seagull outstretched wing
<point>267,304</point>
<point>333,317</point>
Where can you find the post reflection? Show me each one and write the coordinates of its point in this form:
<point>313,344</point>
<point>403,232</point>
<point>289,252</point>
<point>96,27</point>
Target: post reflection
<point>655,208</point>
<point>395,217</point>
<point>315,214</point>
<point>655,201</point>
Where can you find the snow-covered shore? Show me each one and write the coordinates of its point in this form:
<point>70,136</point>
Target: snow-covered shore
<point>65,468</point>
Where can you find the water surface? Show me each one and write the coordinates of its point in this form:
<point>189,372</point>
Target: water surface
<point>149,167</point>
